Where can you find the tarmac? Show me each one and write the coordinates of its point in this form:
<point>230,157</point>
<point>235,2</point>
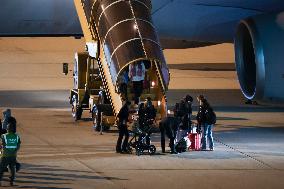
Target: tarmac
<point>60,153</point>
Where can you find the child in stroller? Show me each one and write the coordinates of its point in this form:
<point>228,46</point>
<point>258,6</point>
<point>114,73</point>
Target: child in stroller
<point>138,140</point>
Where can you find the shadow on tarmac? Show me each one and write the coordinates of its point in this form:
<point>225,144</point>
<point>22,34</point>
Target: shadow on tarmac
<point>34,176</point>
<point>252,134</point>
<point>204,66</point>
<point>241,142</point>
<point>226,100</point>
<point>193,118</point>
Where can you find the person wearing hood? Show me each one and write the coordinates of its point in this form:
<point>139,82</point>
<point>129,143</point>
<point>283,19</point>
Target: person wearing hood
<point>122,127</point>
<point>186,120</point>
<point>6,116</point>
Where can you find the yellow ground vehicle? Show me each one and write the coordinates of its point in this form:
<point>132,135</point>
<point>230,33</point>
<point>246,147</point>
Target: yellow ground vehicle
<point>117,34</point>
<point>88,93</point>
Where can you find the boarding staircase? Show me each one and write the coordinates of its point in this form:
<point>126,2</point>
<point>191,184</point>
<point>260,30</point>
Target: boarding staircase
<point>118,33</point>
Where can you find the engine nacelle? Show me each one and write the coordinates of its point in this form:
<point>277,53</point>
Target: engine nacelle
<point>259,55</point>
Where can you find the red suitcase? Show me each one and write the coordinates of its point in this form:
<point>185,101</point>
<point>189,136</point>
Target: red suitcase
<point>195,141</point>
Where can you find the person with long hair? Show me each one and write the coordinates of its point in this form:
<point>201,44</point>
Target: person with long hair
<point>204,120</point>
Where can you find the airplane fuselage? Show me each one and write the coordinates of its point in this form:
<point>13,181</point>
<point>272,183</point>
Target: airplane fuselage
<point>184,23</point>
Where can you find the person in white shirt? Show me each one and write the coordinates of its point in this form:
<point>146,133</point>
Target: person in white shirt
<point>137,75</point>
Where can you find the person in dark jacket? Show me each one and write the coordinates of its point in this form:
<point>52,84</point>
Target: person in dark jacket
<point>186,117</point>
<point>183,111</point>
<point>179,112</point>
<point>179,109</point>
<point>150,116</point>
<point>122,126</point>
<point>169,126</point>
<point>202,120</point>
<point>208,128</point>
<point>150,111</point>
<point>200,117</point>
<point>1,132</point>
<point>6,115</point>
<point>123,82</point>
<point>141,115</point>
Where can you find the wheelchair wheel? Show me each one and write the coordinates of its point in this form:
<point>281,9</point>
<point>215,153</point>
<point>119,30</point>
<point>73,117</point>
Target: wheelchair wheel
<point>129,149</point>
<point>152,149</point>
<point>139,151</point>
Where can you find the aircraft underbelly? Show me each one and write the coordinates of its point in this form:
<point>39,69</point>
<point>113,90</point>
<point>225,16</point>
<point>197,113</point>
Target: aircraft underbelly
<point>38,17</point>
<point>189,20</point>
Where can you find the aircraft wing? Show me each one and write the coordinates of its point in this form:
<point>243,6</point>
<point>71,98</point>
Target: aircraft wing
<point>206,20</point>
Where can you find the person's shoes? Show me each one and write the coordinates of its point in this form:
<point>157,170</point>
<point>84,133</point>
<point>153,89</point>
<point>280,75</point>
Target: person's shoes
<point>174,152</point>
<point>18,167</point>
<point>211,149</point>
<point>11,182</point>
<point>6,169</point>
<point>125,152</point>
<point>118,151</point>
<point>203,149</point>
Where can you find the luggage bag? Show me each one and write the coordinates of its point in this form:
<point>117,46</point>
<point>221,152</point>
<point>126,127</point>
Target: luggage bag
<point>195,141</point>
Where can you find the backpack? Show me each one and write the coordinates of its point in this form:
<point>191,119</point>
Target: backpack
<point>210,116</point>
<point>181,146</point>
<point>176,109</point>
<point>180,109</point>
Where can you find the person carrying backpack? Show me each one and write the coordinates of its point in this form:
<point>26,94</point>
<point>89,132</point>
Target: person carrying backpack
<point>10,145</point>
<point>186,119</point>
<point>180,112</point>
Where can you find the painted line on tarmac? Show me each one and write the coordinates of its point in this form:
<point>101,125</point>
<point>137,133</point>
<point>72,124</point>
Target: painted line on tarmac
<point>95,171</point>
<point>194,169</point>
<point>62,154</point>
<point>245,154</point>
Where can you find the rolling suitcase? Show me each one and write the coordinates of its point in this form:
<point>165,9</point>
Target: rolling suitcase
<point>195,141</point>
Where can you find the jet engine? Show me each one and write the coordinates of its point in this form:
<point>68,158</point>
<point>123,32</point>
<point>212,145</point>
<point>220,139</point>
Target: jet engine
<point>259,55</point>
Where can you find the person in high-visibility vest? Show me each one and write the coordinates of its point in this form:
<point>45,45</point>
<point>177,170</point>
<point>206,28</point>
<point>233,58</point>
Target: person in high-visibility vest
<point>10,145</point>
